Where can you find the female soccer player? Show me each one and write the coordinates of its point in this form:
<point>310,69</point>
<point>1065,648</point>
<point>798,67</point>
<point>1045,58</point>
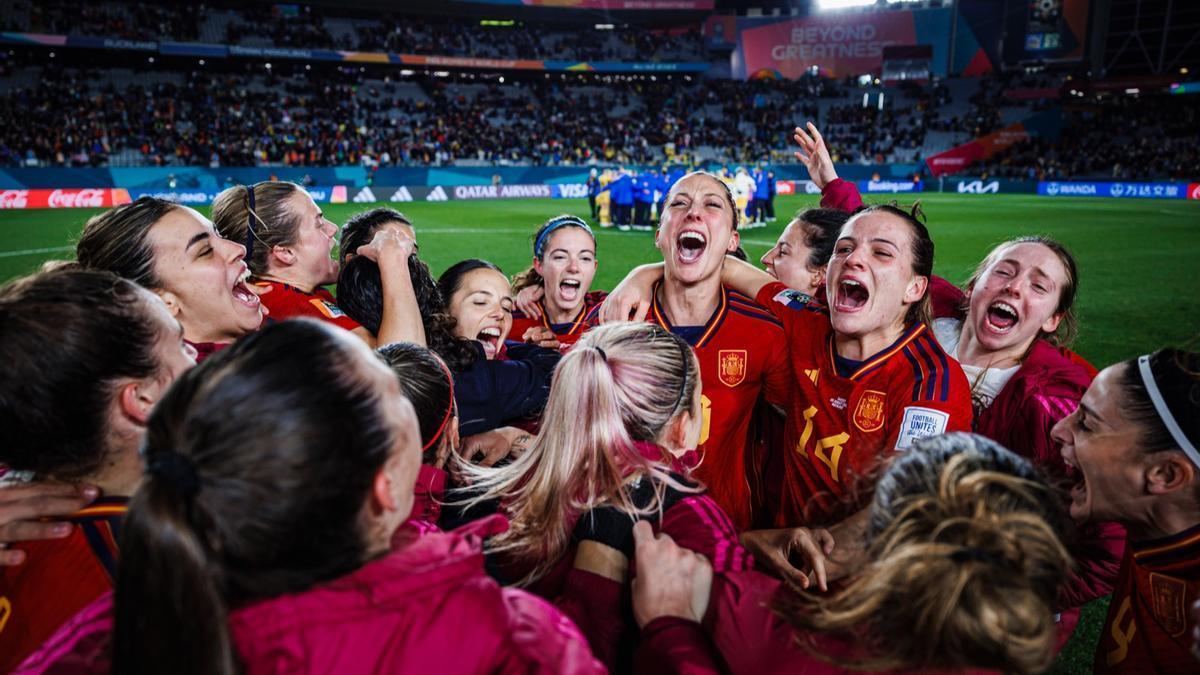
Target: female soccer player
<point>554,295</point>
<point>428,384</point>
<point>625,404</point>
<point>289,248</point>
<point>1019,310</point>
<point>1133,441</point>
<point>966,558</point>
<point>175,252</point>
<point>741,347</point>
<point>869,378</point>
<point>87,356</point>
<point>242,555</point>
<point>798,259</point>
<point>489,392</point>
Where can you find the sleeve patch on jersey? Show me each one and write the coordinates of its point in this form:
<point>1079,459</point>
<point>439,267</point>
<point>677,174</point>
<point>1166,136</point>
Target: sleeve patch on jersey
<point>327,308</point>
<point>920,422</point>
<point>792,298</point>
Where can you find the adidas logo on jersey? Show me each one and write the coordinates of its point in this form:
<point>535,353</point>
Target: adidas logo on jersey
<point>401,195</point>
<point>365,195</point>
<point>438,194</point>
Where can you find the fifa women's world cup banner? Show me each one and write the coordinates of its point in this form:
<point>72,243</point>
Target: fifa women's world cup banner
<point>836,45</point>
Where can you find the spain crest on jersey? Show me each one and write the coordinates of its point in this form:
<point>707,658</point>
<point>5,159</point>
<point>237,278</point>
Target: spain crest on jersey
<point>731,366</point>
<point>868,415</point>
<point>1170,606</point>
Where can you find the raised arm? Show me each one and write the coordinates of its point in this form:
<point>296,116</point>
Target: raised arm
<point>401,321</point>
<point>632,296</point>
<point>743,277</point>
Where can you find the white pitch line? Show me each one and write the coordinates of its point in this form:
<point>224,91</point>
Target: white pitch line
<point>34,251</point>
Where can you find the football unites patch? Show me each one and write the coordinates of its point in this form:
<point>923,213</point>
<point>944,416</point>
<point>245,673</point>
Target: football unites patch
<point>920,422</point>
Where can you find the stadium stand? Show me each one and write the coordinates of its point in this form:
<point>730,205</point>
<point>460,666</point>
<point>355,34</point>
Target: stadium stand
<point>252,112</point>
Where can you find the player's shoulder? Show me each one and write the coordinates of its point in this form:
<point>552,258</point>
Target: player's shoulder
<point>744,309</point>
<point>792,299</point>
<point>927,372</point>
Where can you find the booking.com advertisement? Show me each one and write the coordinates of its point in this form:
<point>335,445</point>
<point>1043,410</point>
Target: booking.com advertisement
<point>836,45</point>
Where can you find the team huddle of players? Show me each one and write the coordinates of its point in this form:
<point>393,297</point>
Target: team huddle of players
<point>213,464</point>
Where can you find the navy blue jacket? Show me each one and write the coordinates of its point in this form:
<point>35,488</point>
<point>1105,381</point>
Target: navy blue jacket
<point>490,394</point>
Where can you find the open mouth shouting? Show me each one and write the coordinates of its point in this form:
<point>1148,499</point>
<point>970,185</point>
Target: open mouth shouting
<point>490,339</point>
<point>690,246</point>
<point>1002,317</point>
<point>569,290</point>
<point>1080,495</point>
<point>852,295</point>
<point>241,290</point>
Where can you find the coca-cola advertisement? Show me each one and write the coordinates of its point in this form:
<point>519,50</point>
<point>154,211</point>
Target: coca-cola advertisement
<point>64,198</point>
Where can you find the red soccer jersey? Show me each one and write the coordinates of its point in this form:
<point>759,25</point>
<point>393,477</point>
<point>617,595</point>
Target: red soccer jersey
<point>743,354</point>
<point>288,302</point>
<point>1148,628</point>
<point>58,578</point>
<point>841,426</point>
<point>567,333</point>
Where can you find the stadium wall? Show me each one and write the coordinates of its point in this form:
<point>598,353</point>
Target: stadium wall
<point>399,194</point>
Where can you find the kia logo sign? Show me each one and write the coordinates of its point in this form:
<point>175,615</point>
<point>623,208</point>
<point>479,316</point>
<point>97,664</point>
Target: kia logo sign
<point>978,187</point>
<point>1194,191</point>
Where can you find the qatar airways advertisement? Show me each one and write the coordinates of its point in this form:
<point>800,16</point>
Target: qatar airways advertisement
<point>836,45</point>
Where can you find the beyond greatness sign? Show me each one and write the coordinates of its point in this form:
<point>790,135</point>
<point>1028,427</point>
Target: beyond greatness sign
<point>837,44</point>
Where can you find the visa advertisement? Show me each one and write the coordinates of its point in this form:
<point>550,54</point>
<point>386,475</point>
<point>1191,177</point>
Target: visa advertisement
<point>836,45</point>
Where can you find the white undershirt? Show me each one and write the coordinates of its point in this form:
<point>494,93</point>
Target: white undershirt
<point>986,383</point>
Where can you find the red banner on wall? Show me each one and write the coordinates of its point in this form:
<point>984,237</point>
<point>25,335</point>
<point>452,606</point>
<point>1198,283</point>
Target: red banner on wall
<point>837,44</point>
<point>958,158</point>
<point>69,198</point>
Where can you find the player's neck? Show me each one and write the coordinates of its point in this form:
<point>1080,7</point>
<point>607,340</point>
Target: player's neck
<point>122,470</point>
<point>863,347</point>
<point>203,332</point>
<point>971,352</point>
<point>556,314</point>
<point>1163,518</point>
<point>689,304</point>
<point>291,277</point>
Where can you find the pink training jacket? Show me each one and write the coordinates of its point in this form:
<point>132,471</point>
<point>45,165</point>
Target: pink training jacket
<point>426,607</point>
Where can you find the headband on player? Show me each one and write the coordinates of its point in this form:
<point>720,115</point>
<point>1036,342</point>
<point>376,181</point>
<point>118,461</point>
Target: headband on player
<point>562,221</point>
<point>449,409</point>
<point>1164,412</point>
<point>250,223</point>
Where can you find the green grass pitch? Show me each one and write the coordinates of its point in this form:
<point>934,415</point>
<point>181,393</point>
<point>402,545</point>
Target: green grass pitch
<point>1138,264</point>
